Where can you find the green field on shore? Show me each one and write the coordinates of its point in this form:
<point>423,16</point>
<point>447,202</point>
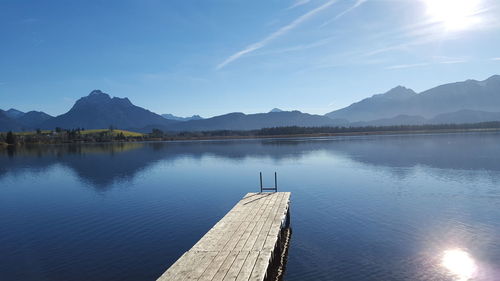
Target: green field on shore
<point>87,132</point>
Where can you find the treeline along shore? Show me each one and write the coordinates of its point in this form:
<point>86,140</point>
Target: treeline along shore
<point>60,135</point>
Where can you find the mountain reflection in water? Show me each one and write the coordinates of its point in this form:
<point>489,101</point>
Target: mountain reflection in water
<point>103,164</point>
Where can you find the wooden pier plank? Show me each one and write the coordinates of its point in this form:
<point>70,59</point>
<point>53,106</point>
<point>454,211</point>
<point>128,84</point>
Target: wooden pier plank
<point>239,246</point>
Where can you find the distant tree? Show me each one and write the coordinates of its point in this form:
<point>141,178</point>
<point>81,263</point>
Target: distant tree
<point>58,129</point>
<point>111,128</point>
<point>11,138</point>
<point>38,131</point>
<point>156,133</point>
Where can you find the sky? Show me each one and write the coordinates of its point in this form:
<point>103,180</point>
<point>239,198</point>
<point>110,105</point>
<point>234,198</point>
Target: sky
<point>211,57</point>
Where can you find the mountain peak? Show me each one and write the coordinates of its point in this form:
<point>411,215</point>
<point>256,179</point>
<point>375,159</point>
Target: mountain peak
<point>276,110</point>
<point>177,118</point>
<point>96,92</point>
<point>495,77</point>
<point>14,113</point>
<point>96,96</point>
<point>122,101</point>
<point>397,92</point>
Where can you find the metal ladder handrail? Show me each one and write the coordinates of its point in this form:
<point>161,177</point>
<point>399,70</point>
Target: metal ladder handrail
<point>275,188</point>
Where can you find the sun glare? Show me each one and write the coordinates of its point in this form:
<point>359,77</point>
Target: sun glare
<point>454,14</point>
<point>460,264</point>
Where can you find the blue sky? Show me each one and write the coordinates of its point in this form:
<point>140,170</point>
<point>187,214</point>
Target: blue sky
<point>212,57</point>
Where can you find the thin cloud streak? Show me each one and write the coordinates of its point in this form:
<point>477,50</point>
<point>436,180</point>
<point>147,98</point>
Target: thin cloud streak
<point>356,5</point>
<point>297,48</point>
<point>280,32</point>
<point>298,3</point>
<point>402,66</point>
<point>495,59</point>
<point>403,46</point>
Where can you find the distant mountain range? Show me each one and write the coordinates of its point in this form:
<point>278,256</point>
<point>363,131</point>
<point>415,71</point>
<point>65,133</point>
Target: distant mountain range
<point>469,101</point>
<point>448,98</point>
<point>177,118</point>
<point>16,120</point>
<point>241,121</point>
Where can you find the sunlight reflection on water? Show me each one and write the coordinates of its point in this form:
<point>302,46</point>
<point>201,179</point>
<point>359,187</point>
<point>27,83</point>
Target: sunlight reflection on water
<point>460,264</point>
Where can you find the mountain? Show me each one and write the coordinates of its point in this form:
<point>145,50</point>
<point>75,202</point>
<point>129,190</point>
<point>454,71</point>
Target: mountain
<point>276,110</point>
<point>7,123</point>
<point>33,119</point>
<point>394,121</point>
<point>469,101</point>
<point>98,110</point>
<point>14,113</point>
<point>376,107</point>
<point>466,95</point>
<point>177,118</point>
<point>465,116</point>
<point>241,121</point>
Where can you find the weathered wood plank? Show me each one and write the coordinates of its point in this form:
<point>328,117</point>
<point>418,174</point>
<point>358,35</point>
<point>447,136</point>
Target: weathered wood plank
<point>214,266</point>
<point>248,266</point>
<point>233,272</point>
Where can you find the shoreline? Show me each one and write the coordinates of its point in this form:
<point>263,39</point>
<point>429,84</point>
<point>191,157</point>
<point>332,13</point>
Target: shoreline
<point>319,135</point>
<point>276,136</point>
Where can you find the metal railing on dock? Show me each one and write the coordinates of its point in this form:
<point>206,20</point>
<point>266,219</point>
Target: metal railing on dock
<point>275,188</point>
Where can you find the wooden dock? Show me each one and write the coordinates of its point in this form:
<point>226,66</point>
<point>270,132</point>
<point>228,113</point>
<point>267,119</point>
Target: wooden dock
<point>246,244</point>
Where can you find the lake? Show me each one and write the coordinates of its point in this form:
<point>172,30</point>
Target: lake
<point>402,207</point>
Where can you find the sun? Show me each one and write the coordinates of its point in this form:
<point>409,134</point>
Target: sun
<point>454,14</point>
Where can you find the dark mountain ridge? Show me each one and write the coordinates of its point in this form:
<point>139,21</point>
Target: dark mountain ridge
<point>7,123</point>
<point>14,113</point>
<point>33,119</point>
<point>98,110</point>
<point>15,120</point>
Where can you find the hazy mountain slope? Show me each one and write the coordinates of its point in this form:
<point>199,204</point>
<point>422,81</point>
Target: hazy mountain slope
<point>177,118</point>
<point>376,107</point>
<point>470,94</point>
<point>99,110</point>
<point>398,120</point>
<point>465,116</point>
<point>32,119</point>
<point>241,121</point>
<point>7,123</point>
<point>14,113</point>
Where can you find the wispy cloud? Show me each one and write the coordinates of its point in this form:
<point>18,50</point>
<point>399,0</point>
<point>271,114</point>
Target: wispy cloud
<point>341,14</point>
<point>298,3</point>
<point>298,48</point>
<point>280,32</point>
<point>423,40</point>
<point>413,65</point>
<point>453,61</point>
<point>495,59</point>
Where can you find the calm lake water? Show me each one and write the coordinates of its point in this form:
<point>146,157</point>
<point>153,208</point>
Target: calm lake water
<point>410,207</point>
